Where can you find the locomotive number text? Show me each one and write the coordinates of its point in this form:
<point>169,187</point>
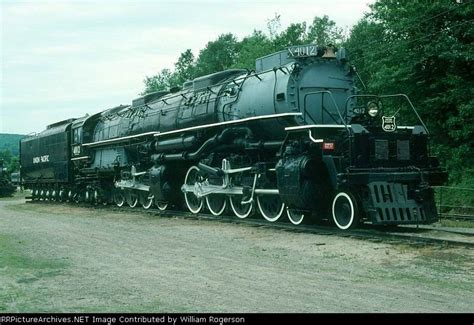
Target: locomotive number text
<point>302,51</point>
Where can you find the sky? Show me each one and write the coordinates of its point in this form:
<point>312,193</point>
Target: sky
<point>63,59</point>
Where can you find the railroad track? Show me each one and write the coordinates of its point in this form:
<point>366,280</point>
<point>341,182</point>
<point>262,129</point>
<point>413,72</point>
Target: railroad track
<point>393,235</point>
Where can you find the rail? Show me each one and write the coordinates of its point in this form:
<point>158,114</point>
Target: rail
<point>455,203</point>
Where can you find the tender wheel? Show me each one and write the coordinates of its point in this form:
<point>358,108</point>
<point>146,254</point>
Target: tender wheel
<point>295,217</point>
<point>34,194</point>
<point>242,211</point>
<point>216,203</point>
<point>270,206</point>
<point>77,197</point>
<point>97,197</point>
<point>193,203</point>
<point>119,198</point>
<point>61,195</point>
<point>344,211</point>
<point>146,200</point>
<point>88,196</point>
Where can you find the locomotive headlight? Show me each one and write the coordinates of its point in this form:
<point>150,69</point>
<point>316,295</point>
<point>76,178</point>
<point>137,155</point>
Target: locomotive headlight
<point>372,109</point>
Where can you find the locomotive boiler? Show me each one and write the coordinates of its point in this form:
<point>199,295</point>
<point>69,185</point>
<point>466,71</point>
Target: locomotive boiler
<point>292,137</point>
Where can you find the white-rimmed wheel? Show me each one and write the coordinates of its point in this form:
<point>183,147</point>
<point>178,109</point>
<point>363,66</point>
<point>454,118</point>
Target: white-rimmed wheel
<point>78,197</point>
<point>119,198</point>
<point>242,211</point>
<point>344,210</point>
<point>162,206</point>
<point>70,195</point>
<point>193,203</point>
<point>146,200</point>
<point>34,194</point>
<point>216,203</point>
<point>88,196</point>
<point>61,195</point>
<point>96,197</point>
<point>131,198</point>
<point>54,195</point>
<point>270,206</point>
<point>295,217</point>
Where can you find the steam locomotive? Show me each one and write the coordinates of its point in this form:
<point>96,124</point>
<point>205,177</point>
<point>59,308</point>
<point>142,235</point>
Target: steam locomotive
<point>292,137</point>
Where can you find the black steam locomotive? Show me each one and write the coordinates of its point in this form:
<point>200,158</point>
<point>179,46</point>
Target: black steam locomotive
<point>292,137</point>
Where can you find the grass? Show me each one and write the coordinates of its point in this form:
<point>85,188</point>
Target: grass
<point>456,223</point>
<point>19,271</point>
<point>13,259</point>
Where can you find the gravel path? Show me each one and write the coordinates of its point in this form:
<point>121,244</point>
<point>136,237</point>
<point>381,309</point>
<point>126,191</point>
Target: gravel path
<point>61,258</point>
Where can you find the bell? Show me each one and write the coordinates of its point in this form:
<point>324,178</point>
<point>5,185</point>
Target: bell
<point>329,52</point>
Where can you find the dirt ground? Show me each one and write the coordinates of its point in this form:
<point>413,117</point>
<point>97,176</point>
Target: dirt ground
<point>58,258</point>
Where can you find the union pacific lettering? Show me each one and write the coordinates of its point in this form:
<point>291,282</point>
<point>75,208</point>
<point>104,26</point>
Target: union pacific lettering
<point>40,159</point>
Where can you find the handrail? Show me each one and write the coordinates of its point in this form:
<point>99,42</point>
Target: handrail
<point>334,102</point>
<point>389,96</point>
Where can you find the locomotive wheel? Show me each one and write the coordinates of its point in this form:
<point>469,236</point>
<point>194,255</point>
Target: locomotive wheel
<point>295,217</point>
<point>193,203</point>
<point>271,207</point>
<point>131,198</point>
<point>162,206</point>
<point>344,210</point>
<point>242,211</point>
<point>216,203</point>
<point>146,200</point>
<point>119,198</point>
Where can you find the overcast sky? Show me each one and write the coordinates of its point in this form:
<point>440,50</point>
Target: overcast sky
<point>62,59</point>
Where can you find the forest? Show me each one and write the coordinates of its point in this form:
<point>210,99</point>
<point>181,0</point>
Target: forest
<point>423,49</point>
<point>9,151</point>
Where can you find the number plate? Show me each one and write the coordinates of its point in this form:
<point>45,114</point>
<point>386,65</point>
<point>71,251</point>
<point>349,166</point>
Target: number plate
<point>301,51</point>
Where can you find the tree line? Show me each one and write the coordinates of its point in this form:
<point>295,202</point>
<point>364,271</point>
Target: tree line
<point>423,49</point>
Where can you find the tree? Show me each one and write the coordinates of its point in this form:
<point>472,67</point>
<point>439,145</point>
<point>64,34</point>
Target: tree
<point>251,48</point>
<point>295,34</point>
<point>10,161</point>
<point>161,81</point>
<point>227,52</point>
<point>323,31</point>
<point>424,49</point>
<point>185,67</point>
<point>218,55</point>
